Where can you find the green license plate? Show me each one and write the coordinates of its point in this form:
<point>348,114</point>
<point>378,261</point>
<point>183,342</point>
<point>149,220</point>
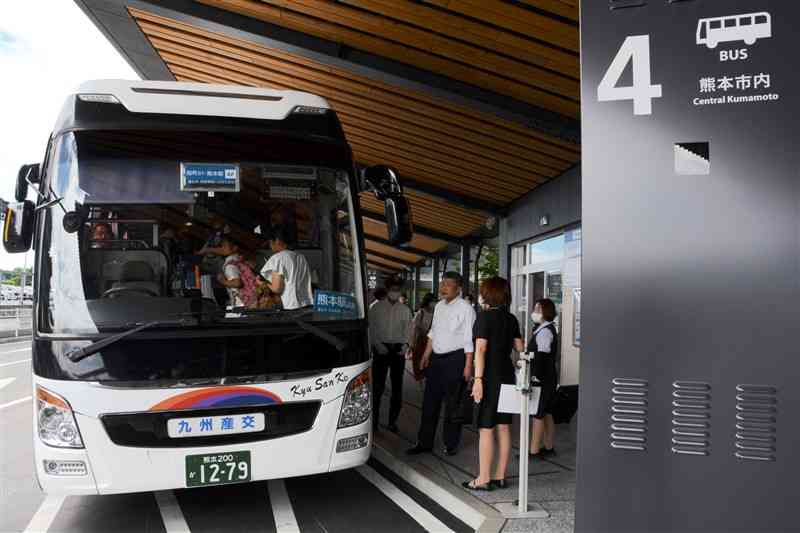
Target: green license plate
<point>217,469</point>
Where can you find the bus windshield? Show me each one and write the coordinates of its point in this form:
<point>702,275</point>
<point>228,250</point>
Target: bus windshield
<point>196,230</point>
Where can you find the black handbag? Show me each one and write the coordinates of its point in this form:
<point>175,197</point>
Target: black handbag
<point>464,412</point>
<point>565,404</point>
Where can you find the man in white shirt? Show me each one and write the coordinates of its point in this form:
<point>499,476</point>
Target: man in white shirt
<point>448,364</point>
<point>287,272</point>
<point>388,329</point>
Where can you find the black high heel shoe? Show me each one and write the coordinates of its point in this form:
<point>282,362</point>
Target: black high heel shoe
<point>471,485</point>
<point>499,483</point>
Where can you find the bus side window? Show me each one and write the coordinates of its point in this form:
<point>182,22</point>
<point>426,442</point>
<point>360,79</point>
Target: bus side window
<point>715,24</point>
<point>761,19</point>
<point>745,21</point>
<point>730,23</point>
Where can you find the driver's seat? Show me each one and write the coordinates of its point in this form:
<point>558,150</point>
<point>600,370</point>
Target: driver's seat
<point>138,275</point>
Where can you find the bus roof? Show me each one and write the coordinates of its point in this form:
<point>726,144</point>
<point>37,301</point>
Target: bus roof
<point>201,99</point>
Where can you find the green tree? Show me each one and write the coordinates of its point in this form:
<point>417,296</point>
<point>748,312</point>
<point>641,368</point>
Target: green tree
<point>490,263</point>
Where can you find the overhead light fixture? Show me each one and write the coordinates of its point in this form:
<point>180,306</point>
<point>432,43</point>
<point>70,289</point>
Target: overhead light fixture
<point>544,220</point>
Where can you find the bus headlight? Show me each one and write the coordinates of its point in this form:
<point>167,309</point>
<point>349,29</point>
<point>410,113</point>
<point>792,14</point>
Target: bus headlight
<point>55,422</point>
<point>357,404</point>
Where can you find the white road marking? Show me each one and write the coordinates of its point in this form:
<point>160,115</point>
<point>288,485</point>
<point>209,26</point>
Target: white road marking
<point>422,516</point>
<point>171,513</point>
<point>45,515</point>
<point>15,362</point>
<point>282,512</point>
<point>15,402</point>
<point>5,382</point>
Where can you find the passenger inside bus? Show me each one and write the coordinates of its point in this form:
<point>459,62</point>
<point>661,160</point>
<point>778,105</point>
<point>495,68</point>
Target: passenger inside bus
<point>287,271</point>
<point>239,266</point>
<point>102,235</point>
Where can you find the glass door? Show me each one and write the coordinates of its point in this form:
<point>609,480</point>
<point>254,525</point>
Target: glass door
<point>549,268</point>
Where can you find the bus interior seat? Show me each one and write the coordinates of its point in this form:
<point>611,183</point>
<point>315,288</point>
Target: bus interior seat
<point>106,267</point>
<point>139,275</point>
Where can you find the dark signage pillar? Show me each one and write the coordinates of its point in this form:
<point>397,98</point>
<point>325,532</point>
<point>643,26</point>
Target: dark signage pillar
<point>691,266</point>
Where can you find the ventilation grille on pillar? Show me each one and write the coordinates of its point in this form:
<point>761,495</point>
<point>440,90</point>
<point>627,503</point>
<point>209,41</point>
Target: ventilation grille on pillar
<point>629,414</point>
<point>691,418</point>
<point>756,421</point>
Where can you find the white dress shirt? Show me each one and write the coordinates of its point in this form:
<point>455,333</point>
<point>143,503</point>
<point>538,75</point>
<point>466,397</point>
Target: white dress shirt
<point>544,337</point>
<point>451,329</point>
<point>388,322</point>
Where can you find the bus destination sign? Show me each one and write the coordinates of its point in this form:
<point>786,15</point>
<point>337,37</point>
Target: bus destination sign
<point>210,177</point>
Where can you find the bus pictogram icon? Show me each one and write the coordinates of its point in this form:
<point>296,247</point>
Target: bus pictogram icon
<point>747,27</point>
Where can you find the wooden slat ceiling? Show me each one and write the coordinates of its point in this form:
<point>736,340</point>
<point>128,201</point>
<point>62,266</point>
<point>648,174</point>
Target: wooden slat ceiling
<point>384,249</point>
<point>433,213</point>
<point>428,140</point>
<point>386,263</point>
<point>506,49</point>
<point>373,228</point>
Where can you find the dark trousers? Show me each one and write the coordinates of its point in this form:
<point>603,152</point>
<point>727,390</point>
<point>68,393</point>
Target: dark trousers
<point>393,363</point>
<point>443,379</point>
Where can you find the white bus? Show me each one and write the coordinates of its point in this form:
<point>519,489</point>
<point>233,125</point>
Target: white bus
<point>748,28</point>
<point>149,374</point>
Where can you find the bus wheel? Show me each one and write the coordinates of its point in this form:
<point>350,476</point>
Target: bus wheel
<point>750,41</point>
<point>712,44</point>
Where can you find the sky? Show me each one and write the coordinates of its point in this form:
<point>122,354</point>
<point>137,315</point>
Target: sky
<point>42,60</point>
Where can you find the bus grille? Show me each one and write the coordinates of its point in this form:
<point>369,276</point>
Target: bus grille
<point>149,429</point>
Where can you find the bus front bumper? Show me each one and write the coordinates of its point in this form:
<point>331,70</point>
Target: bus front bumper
<point>114,469</point>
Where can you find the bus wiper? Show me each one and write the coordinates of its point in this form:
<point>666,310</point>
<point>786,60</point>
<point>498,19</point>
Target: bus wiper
<point>91,349</point>
<point>333,340</point>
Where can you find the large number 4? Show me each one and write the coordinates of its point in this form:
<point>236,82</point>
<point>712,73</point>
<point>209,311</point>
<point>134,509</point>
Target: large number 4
<point>635,49</point>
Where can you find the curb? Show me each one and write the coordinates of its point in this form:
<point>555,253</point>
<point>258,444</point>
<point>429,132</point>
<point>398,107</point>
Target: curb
<point>472,511</point>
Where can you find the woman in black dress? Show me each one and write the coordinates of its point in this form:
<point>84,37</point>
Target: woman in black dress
<point>544,345</point>
<point>496,334</point>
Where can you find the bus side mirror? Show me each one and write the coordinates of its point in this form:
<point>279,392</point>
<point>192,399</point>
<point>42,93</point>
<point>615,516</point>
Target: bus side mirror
<point>383,182</point>
<point>398,220</point>
<point>27,174</point>
<point>18,227</point>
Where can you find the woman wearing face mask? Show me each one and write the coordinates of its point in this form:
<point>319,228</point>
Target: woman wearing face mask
<point>544,344</point>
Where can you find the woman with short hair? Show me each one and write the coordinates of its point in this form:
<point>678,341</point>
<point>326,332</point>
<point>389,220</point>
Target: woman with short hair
<point>496,333</point>
<point>544,345</point>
